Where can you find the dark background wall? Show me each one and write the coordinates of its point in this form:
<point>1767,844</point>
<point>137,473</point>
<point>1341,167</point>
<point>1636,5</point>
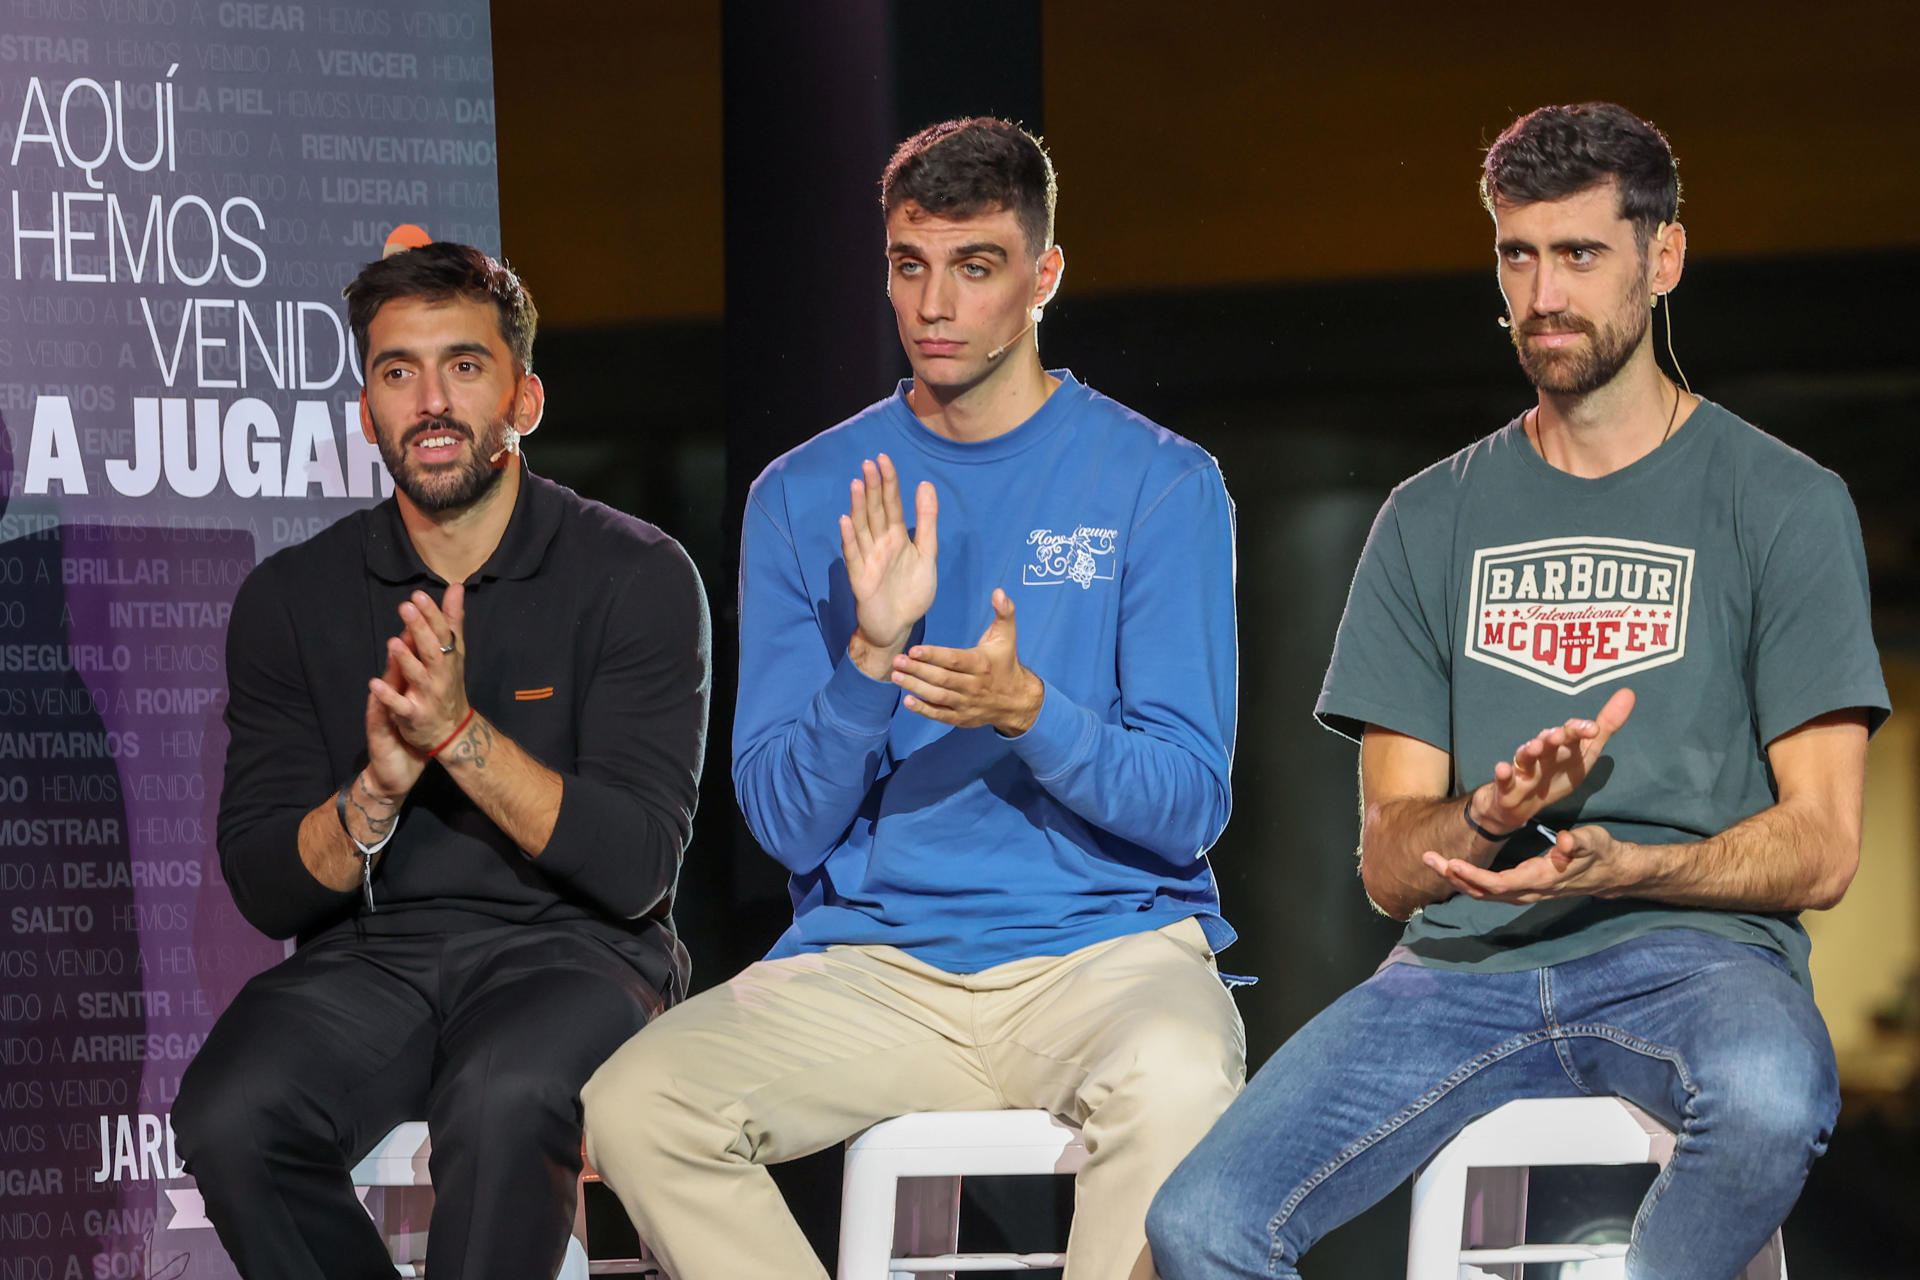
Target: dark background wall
<point>1274,247</point>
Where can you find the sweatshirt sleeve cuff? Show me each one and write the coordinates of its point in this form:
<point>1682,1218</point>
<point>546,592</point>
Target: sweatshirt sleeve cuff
<point>1059,738</point>
<point>858,703</point>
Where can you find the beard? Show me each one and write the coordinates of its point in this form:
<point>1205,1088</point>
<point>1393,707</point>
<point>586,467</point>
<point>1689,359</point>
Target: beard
<point>1580,370</point>
<point>449,486</point>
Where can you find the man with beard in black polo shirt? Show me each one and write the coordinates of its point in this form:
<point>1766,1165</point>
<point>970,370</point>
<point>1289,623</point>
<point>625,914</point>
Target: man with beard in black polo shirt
<point>477,847</point>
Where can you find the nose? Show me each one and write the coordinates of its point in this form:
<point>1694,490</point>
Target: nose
<point>432,390</point>
<point>1549,291</point>
<point>936,299</point>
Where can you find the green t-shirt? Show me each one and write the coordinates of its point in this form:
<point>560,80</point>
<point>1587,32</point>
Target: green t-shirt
<point>1720,577</point>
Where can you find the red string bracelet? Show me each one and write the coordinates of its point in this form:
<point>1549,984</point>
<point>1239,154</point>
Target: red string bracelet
<point>458,730</point>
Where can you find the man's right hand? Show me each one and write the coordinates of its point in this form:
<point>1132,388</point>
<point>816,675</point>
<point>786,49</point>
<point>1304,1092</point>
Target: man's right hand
<point>392,766</point>
<point>373,800</point>
<point>893,575</point>
<point>1548,767</point>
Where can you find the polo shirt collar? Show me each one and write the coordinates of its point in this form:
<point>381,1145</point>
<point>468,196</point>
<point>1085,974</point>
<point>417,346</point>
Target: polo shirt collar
<point>390,553</point>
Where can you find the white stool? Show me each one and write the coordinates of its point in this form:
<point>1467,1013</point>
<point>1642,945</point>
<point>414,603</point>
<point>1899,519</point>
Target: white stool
<point>399,1160</point>
<point>900,1200</point>
<point>1470,1201</point>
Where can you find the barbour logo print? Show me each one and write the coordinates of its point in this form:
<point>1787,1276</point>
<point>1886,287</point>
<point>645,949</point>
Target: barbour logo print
<point>1569,613</point>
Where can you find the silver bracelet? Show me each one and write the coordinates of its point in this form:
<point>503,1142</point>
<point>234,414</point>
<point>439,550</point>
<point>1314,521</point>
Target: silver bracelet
<point>366,851</point>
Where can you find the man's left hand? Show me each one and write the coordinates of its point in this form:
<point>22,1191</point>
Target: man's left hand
<point>1583,862</point>
<point>432,658</point>
<point>968,688</point>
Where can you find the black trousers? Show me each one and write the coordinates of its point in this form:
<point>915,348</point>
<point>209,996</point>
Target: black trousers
<point>488,1034</point>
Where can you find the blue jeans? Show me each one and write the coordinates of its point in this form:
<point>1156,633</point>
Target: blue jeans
<point>1713,1037</point>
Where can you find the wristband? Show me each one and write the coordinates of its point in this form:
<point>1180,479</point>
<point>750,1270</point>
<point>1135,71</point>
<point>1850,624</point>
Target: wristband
<point>1495,837</point>
<point>457,731</point>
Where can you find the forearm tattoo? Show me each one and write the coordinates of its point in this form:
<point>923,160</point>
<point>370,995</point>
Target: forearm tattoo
<point>473,747</point>
<point>378,825</point>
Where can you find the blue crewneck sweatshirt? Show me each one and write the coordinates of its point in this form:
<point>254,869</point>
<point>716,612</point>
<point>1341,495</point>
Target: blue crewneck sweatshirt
<point>962,847</point>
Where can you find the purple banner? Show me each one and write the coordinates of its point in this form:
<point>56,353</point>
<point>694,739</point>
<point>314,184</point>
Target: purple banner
<point>184,189</point>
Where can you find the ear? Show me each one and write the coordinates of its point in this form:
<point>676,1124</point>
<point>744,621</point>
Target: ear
<point>1666,257</point>
<point>366,419</point>
<point>1052,266</point>
<point>530,403</point>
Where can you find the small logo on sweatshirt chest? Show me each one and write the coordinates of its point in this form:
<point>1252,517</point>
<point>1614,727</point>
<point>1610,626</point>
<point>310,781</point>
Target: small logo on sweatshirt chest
<point>1083,557</point>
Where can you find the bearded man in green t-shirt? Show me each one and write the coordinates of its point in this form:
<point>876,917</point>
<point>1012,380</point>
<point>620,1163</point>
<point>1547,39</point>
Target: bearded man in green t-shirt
<point>1611,908</point>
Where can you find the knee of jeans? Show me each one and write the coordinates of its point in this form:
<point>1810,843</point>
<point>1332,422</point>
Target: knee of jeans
<point>1777,1095</point>
<point>1189,1224</point>
<point>1177,1221</point>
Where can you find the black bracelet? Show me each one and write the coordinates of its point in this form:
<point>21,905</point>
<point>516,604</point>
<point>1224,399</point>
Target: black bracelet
<point>1466,811</point>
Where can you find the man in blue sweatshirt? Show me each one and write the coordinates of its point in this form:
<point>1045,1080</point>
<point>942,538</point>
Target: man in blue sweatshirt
<point>989,740</point>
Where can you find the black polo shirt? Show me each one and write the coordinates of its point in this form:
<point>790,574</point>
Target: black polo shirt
<point>587,642</point>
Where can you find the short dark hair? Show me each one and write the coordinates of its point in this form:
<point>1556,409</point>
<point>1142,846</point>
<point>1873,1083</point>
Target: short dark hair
<point>438,272</point>
<point>1555,152</point>
<point>960,168</point>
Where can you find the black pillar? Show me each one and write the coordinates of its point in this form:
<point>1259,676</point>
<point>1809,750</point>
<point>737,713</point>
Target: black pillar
<point>817,96</point>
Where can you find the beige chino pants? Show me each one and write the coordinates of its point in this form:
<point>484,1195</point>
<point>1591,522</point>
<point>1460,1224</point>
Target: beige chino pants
<point>1133,1039</point>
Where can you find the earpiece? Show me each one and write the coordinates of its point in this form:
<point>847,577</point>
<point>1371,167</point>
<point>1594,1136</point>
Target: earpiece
<point>1654,302</point>
<point>1659,232</point>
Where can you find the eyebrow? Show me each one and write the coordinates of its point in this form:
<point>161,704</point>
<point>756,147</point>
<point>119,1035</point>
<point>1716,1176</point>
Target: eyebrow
<point>1558,246</point>
<point>907,249</point>
<point>979,247</point>
<point>454,349</point>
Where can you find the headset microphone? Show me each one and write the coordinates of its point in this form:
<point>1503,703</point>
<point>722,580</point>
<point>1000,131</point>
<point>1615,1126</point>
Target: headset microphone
<point>509,443</point>
<point>1007,346</point>
<point>510,438</point>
